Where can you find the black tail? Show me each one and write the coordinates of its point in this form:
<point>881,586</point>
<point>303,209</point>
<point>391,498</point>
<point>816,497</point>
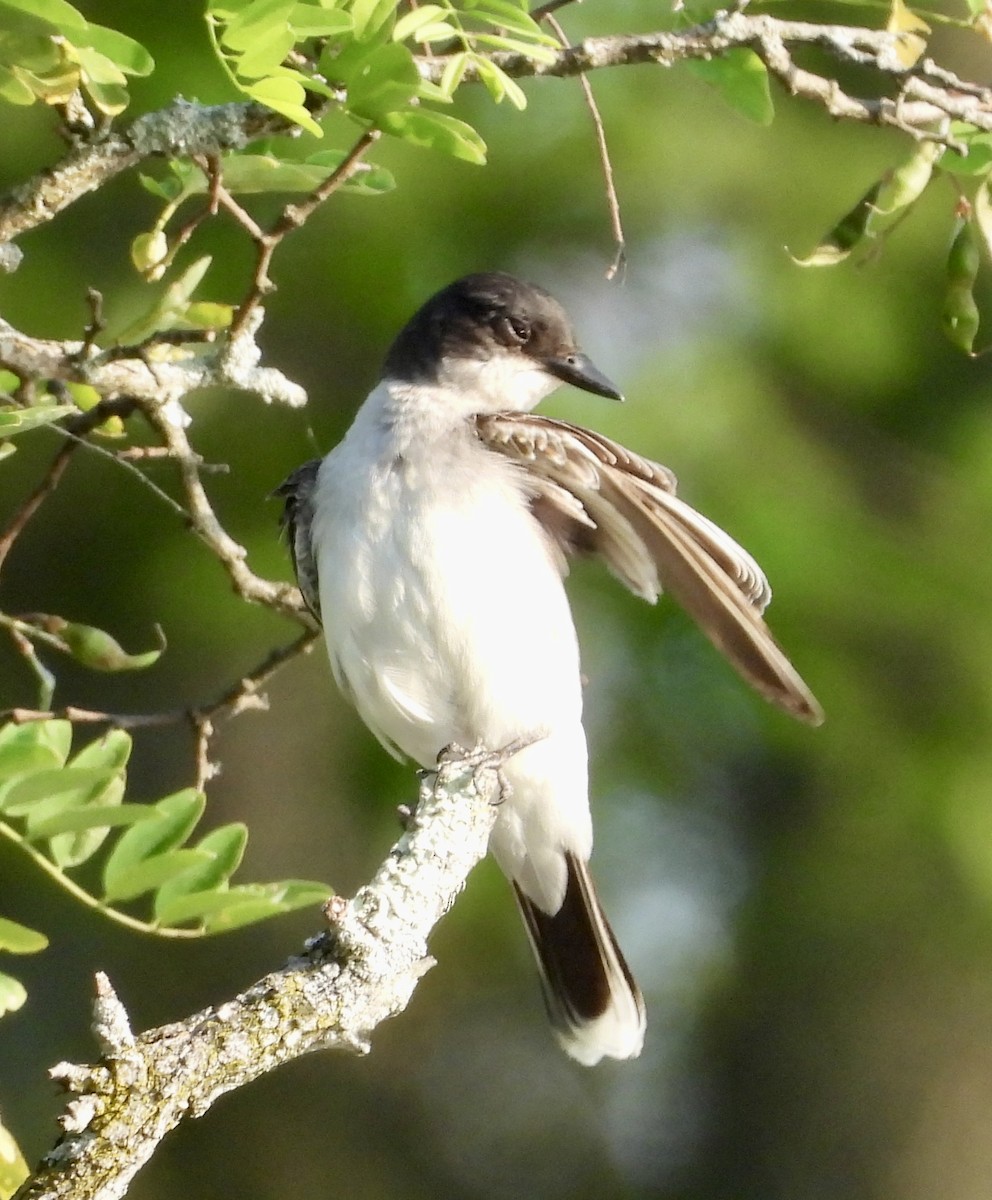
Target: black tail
<point>595,1007</point>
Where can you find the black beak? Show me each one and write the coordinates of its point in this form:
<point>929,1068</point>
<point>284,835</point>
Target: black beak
<point>578,370</point>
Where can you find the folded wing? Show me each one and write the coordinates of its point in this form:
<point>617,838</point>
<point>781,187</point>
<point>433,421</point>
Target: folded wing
<point>595,497</point>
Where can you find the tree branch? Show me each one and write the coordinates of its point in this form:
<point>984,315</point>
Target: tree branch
<point>928,96</point>
<point>331,997</point>
<point>180,131</point>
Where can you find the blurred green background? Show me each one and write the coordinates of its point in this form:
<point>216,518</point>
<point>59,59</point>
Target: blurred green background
<point>809,912</point>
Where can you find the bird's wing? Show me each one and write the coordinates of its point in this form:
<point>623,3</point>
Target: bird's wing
<point>593,496</point>
<point>297,517</point>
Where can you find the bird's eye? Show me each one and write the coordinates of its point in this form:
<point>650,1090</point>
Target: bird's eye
<point>513,331</point>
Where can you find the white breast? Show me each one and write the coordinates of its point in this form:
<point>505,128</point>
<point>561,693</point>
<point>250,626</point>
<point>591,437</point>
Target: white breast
<point>446,621</point>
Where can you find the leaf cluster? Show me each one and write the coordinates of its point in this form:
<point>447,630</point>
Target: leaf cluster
<point>70,816</point>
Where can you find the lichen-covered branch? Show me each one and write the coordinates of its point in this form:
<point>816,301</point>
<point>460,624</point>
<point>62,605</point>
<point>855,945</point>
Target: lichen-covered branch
<point>156,382</point>
<point>182,130</point>
<point>155,375</point>
<point>333,996</point>
<point>926,96</point>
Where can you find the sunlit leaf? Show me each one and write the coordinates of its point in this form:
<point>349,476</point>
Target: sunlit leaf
<point>176,818</point>
<point>285,96</point>
<point>265,57</point>
<point>223,850</point>
<point>16,938</point>
<point>309,20</point>
<point>372,18</point>
<point>254,902</point>
<point>12,994</point>
<point>51,790</point>
<point>55,15</point>
<point>909,27</point>
<point>13,1167</point>
<point>83,820</point>
<point>256,23</point>
<point>410,22</point>
<point>386,79</point>
<point>150,873</point>
<point>45,743</point>
<point>127,54</point>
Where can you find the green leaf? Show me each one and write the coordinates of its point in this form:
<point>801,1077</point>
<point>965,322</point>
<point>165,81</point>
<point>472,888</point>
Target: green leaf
<point>12,994</point>
<point>515,17</point>
<point>150,873</point>
<point>97,67</point>
<point>977,143</point>
<point>206,314</point>
<point>741,78</point>
<point>533,50</point>
<point>256,23</point>
<point>59,16</point>
<point>375,181</point>
<point>34,745</point>
<point>285,96</point>
<point>454,72</point>
<point>266,56</point>
<point>73,847</point>
<point>410,22</point>
<point>256,902</point>
<point>15,420</point>
<point>386,79</point>
<point>498,83</point>
<point>309,20</point>
<point>16,938</point>
<point>127,54</point>
<point>13,1168</point>
<point>372,19</point>
<point>176,818</point>
<point>109,98</point>
<point>436,131</point>
<point>223,850</point>
<point>76,833</point>
<point>100,817</point>
<point>14,89</point>
<point>50,791</point>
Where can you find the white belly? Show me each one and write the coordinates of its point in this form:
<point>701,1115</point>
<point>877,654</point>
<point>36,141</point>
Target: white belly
<point>451,624</point>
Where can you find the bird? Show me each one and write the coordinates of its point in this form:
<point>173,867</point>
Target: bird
<point>432,543</point>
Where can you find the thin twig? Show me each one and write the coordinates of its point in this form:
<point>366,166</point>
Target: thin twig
<point>609,181</point>
<point>292,217</point>
<point>48,484</point>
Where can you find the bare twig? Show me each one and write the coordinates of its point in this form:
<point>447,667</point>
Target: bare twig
<point>612,199</point>
<point>292,217</point>
<point>239,697</point>
<point>331,997</point>
<point>49,482</point>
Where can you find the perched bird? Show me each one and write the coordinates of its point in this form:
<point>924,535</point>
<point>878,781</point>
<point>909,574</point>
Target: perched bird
<point>432,542</point>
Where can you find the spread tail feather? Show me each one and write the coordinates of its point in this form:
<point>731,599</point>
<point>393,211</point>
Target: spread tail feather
<point>595,1007</point>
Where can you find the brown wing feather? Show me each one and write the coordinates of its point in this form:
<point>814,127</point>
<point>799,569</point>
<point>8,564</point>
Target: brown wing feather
<point>623,508</point>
